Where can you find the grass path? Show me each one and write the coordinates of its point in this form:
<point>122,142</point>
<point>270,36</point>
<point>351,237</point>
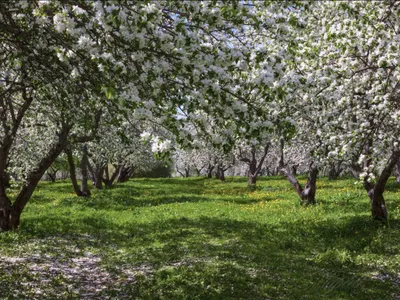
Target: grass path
<point>201,239</point>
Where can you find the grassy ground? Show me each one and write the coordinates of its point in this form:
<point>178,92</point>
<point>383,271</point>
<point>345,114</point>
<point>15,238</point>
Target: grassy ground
<point>202,239</point>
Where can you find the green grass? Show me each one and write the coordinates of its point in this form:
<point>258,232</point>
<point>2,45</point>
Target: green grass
<point>202,239</point>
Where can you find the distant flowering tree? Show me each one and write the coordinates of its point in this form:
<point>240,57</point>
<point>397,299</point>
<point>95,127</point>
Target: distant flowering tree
<point>347,61</point>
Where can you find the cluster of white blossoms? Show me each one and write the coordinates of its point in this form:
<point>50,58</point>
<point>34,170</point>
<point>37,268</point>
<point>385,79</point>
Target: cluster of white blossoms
<point>323,74</point>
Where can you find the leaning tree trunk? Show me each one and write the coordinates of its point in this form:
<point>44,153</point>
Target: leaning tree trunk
<point>10,213</point>
<point>294,170</point>
<point>6,180</point>
<point>378,207</point>
<point>124,173</point>
<point>375,191</point>
<point>72,172</point>
<point>306,194</point>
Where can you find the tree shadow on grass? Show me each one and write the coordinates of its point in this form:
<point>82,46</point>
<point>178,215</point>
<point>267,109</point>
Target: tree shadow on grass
<point>221,258</point>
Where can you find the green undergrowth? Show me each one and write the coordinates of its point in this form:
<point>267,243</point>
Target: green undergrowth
<point>198,238</point>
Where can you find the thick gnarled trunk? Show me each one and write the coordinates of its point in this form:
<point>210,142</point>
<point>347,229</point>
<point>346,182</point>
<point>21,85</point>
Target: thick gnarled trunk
<point>10,213</point>
<point>375,191</point>
<point>254,168</point>
<point>306,194</point>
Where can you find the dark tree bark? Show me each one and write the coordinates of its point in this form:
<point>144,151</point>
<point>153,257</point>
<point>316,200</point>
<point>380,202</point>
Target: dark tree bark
<point>281,162</point>
<point>220,174</point>
<point>334,171</point>
<point>186,170</point>
<point>52,174</point>
<point>108,181</point>
<point>198,172</point>
<point>124,173</point>
<point>221,169</point>
<point>254,168</point>
<point>10,213</point>
<point>6,180</point>
<point>398,171</point>
<point>98,174</point>
<point>84,171</point>
<point>306,194</point>
<point>210,168</point>
<point>72,171</point>
<point>294,170</point>
<point>90,168</point>
<point>7,214</point>
<point>375,191</point>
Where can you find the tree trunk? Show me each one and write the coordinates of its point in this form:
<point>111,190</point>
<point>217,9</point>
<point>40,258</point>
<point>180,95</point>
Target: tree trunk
<point>294,170</point>
<point>10,213</point>
<point>252,180</point>
<point>254,170</point>
<point>334,171</point>
<point>398,171</point>
<point>52,176</point>
<point>124,173</point>
<point>222,176</point>
<point>217,173</point>
<point>72,171</point>
<point>281,162</point>
<point>252,174</point>
<point>84,171</point>
<point>5,203</point>
<point>220,173</point>
<point>210,168</point>
<point>90,168</point>
<point>307,195</point>
<point>98,177</point>
<point>108,181</point>
<point>5,209</point>
<point>375,191</point>
<point>6,180</point>
<point>378,208</point>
